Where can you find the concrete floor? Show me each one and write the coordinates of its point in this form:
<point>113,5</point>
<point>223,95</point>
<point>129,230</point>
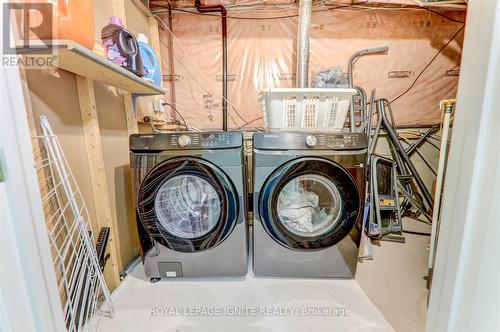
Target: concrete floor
<point>394,279</point>
<point>388,294</point>
<point>265,304</point>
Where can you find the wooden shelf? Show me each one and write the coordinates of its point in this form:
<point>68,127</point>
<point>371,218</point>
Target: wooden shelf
<point>77,59</point>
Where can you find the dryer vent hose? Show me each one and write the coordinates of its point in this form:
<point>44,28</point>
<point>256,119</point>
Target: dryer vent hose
<point>305,10</point>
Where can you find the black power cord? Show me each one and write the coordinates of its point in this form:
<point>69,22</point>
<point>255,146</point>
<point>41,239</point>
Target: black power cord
<point>428,65</point>
<point>185,123</point>
<point>417,233</point>
<point>176,111</point>
<point>239,115</point>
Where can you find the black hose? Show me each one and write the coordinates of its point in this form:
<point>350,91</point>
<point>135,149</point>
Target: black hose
<point>417,233</point>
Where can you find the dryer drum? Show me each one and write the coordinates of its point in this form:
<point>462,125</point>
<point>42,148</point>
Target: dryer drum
<point>187,204</point>
<point>309,203</point>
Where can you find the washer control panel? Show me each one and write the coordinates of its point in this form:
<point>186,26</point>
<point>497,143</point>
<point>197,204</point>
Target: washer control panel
<point>186,141</point>
<point>310,141</point>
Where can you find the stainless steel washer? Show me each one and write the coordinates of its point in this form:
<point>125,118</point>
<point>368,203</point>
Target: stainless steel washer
<point>308,202</point>
<point>190,203</point>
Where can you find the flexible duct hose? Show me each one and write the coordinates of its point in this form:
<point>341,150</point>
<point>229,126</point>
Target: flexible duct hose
<point>305,8</point>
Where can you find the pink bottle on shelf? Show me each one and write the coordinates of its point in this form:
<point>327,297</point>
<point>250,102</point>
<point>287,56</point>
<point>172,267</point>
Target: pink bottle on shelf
<point>121,45</point>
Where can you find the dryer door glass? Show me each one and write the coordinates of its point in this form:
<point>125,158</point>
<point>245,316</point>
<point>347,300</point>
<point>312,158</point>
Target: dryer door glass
<point>309,205</point>
<point>187,206</point>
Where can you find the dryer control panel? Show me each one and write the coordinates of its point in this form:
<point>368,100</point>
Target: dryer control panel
<point>186,141</point>
<point>310,141</point>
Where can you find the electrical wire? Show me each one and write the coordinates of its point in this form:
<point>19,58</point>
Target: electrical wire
<point>242,17</point>
<point>185,123</point>
<point>346,6</point>
<point>443,15</point>
<point>199,71</point>
<point>252,121</point>
<point>419,7</point>
<point>363,5</point>
<point>354,4</point>
<point>428,65</point>
<point>176,111</point>
<point>239,115</point>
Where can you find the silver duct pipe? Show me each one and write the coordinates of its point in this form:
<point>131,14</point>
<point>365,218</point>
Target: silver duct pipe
<point>305,10</point>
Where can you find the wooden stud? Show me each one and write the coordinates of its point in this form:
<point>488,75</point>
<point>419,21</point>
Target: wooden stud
<point>97,172</point>
<point>36,144</point>
<point>29,108</point>
<point>154,37</point>
<point>132,126</point>
<point>154,41</point>
<point>119,10</point>
<point>131,116</point>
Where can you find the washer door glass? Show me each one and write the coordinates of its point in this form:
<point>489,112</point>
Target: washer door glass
<point>187,206</point>
<point>309,205</point>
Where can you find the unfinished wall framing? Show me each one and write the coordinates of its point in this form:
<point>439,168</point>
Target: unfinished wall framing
<point>93,121</point>
<point>261,51</point>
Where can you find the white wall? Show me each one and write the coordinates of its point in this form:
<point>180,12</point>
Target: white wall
<point>29,299</point>
<point>465,294</point>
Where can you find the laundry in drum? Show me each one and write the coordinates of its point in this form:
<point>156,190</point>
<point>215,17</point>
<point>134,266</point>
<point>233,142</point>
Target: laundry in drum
<point>187,206</point>
<point>309,205</point>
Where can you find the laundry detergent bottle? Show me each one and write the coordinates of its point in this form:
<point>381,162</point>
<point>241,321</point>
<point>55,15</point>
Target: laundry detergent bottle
<point>57,20</point>
<point>121,46</point>
<point>150,62</point>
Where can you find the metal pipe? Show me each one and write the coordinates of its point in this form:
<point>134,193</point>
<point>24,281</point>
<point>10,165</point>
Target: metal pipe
<point>404,174</point>
<point>360,53</point>
<point>222,10</point>
<point>305,9</point>
<point>350,65</point>
<point>401,152</point>
<point>374,139</point>
<point>413,202</point>
<point>416,144</point>
<point>171,61</point>
<point>370,115</point>
<point>436,144</point>
<point>447,106</point>
<point>421,155</point>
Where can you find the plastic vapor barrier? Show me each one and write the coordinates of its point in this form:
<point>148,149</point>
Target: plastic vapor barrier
<point>262,54</point>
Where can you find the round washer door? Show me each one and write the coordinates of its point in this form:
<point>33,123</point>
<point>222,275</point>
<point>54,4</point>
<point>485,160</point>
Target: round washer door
<point>309,203</point>
<point>187,204</point>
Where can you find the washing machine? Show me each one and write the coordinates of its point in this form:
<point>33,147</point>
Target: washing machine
<point>308,203</point>
<point>190,203</point>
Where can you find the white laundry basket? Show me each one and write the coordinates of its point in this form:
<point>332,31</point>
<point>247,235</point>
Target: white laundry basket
<point>305,109</point>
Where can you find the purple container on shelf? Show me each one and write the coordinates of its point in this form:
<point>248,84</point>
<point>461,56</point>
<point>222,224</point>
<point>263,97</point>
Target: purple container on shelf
<point>122,46</point>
